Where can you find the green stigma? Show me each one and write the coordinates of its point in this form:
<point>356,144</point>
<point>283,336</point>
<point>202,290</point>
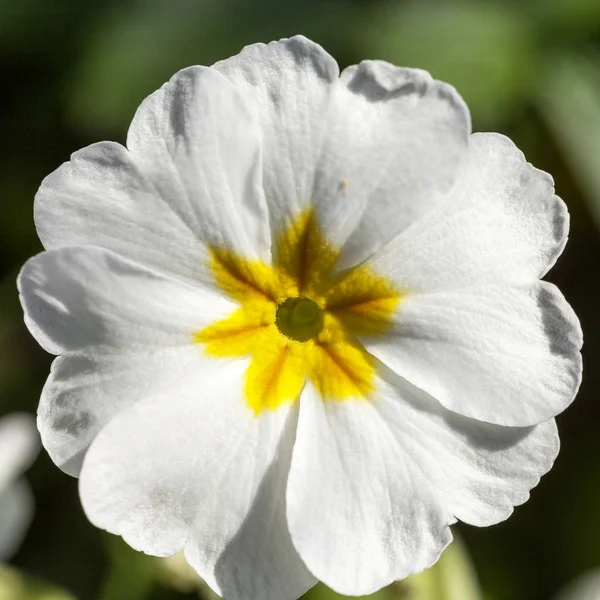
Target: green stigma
<point>300,319</point>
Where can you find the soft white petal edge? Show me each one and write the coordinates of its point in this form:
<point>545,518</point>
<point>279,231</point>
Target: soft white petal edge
<point>190,178</point>
<point>479,471</point>
<point>91,300</point>
<point>500,354</point>
<point>288,86</point>
<point>395,141</point>
<point>370,150</point>
<point>392,473</point>
<point>101,197</point>
<point>200,145</point>
<point>195,469</point>
<point>360,511</point>
<point>83,393</point>
<point>501,222</point>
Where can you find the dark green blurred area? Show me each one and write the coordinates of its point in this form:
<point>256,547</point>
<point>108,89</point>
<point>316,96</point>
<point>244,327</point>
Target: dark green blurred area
<point>74,71</point>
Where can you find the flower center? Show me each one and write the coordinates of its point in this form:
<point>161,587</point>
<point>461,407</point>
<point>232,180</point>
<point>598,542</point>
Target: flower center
<point>300,319</point>
<point>296,321</point>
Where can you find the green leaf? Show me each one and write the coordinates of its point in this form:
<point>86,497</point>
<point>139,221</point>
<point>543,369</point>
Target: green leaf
<point>15,585</point>
<point>569,100</point>
<point>175,573</point>
<point>575,17</point>
<point>132,575</point>
<point>451,578</point>
<point>322,592</point>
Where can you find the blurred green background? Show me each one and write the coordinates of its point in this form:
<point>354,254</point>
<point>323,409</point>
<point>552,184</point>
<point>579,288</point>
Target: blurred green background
<point>72,72</point>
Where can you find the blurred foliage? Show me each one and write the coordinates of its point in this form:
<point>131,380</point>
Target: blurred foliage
<point>453,577</point>
<point>489,51</point>
<point>131,574</point>
<point>16,586</point>
<point>569,98</point>
<point>74,71</point>
<point>133,50</point>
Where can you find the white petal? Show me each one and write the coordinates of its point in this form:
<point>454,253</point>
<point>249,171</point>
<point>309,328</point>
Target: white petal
<point>16,513</point>
<point>360,511</point>
<point>394,141</point>
<point>502,222</point>
<point>198,143</point>
<point>83,393</point>
<point>371,151</point>
<point>90,300</point>
<point>288,84</point>
<point>195,469</point>
<point>101,197</point>
<point>505,355</point>
<point>190,178</point>
<point>478,471</point>
<point>19,446</point>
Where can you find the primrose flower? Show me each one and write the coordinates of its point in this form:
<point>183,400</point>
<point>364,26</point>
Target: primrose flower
<point>19,445</point>
<point>299,323</point>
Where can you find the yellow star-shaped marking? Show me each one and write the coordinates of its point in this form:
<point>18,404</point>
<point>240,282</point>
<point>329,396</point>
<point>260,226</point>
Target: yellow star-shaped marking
<point>298,319</point>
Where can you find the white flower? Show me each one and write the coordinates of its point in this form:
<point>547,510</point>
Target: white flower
<point>19,445</point>
<point>300,323</point>
<point>585,587</point>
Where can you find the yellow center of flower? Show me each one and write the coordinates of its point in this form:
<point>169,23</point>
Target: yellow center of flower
<point>297,320</point>
<point>300,319</point>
